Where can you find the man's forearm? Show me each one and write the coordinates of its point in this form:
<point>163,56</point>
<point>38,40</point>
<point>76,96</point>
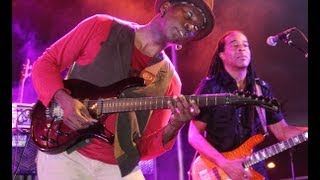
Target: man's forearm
<point>171,130</point>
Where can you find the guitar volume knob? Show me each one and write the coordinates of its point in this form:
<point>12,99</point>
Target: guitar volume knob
<point>43,138</point>
<point>52,141</point>
<point>59,132</point>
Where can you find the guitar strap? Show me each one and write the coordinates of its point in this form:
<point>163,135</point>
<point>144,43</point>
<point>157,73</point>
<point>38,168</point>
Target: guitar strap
<point>261,111</point>
<point>157,79</point>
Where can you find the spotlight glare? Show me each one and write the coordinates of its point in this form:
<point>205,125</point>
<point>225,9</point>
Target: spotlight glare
<point>271,165</point>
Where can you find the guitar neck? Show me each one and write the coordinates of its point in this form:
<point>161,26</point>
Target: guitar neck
<point>150,103</point>
<point>275,149</point>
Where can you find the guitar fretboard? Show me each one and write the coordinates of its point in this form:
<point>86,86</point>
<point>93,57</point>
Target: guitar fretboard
<point>275,149</point>
<point>114,105</point>
<point>149,103</point>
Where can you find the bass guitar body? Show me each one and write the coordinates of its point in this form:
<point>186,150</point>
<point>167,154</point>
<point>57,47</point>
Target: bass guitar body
<point>204,169</point>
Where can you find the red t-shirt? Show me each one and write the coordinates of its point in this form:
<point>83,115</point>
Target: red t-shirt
<point>82,44</point>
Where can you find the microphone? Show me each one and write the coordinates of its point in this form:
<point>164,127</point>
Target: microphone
<point>273,40</point>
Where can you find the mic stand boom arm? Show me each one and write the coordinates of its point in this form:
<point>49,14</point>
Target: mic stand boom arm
<point>290,43</point>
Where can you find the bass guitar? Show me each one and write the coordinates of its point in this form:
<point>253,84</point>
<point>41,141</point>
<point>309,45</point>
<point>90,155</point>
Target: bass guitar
<point>203,168</point>
<point>51,135</point>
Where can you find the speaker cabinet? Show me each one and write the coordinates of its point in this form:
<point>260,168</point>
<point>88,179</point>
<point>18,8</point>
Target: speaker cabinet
<point>24,153</point>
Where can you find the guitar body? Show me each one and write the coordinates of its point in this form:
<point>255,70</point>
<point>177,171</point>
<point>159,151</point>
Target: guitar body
<point>52,136</point>
<point>203,168</point>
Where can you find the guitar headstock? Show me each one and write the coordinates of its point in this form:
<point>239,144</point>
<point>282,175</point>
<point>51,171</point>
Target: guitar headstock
<point>26,70</point>
<point>247,98</point>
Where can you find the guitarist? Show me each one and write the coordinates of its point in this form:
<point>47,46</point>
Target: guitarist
<point>224,128</point>
<point>103,50</point>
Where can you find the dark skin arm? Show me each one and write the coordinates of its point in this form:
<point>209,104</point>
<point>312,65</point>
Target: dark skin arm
<point>183,113</point>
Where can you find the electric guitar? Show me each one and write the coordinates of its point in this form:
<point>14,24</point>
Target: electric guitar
<point>203,168</point>
<point>51,135</point>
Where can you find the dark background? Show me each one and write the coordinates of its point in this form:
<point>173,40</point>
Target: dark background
<point>37,24</point>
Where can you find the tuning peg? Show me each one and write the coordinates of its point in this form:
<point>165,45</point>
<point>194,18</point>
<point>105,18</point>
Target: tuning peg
<point>247,94</point>
<point>237,92</point>
<point>254,96</point>
<point>261,98</point>
<point>274,101</point>
<point>268,99</point>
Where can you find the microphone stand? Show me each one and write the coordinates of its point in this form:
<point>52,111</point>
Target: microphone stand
<point>292,164</point>
<point>290,43</point>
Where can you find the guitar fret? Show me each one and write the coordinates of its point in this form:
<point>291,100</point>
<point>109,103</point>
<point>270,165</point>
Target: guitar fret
<point>167,100</point>
<point>124,104</point>
<point>303,137</point>
<point>162,103</point>
<point>215,100</point>
<point>150,104</point>
<point>207,100</point>
<point>113,106</point>
<point>281,146</point>
<point>256,156</point>
<point>273,152</point>
<point>135,105</point>
<point>147,105</point>
<point>156,104</point>
<point>129,104</point>
<point>295,141</point>
<point>263,154</point>
<point>289,143</point>
<point>270,151</point>
<point>99,106</point>
<point>278,148</point>
<point>274,148</point>
<point>116,105</point>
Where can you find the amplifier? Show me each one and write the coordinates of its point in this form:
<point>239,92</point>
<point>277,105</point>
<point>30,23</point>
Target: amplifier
<point>19,139</point>
<point>24,153</point>
<point>21,115</point>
